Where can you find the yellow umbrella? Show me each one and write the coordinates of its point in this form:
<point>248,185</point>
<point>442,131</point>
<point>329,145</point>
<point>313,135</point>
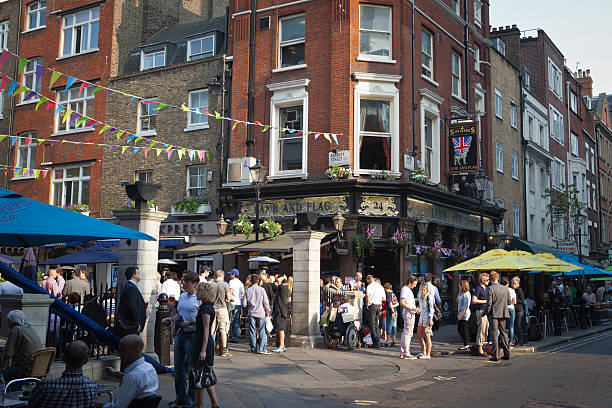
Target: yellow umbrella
<point>501,260</point>
<point>558,264</point>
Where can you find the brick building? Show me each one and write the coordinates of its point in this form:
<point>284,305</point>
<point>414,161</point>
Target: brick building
<point>346,68</point>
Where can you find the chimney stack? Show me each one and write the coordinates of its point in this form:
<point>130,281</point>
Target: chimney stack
<point>586,82</point>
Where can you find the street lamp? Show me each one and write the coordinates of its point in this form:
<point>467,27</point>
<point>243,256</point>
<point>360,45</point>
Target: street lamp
<point>258,174</point>
<point>338,222</point>
<point>494,239</point>
<point>481,182</point>
<point>422,225</point>
<point>221,225</point>
<point>579,219</point>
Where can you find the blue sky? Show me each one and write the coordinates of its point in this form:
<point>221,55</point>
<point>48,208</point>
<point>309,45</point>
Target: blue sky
<point>576,27</point>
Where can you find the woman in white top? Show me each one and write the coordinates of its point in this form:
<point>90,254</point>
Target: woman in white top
<point>409,310</point>
<point>426,306</point>
<point>463,312</point>
<point>511,309</point>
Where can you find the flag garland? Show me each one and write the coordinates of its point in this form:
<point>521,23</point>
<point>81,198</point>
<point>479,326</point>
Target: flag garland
<point>23,171</point>
<point>202,111</point>
<point>71,116</point>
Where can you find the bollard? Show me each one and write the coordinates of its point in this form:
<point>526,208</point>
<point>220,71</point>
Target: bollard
<point>162,331</point>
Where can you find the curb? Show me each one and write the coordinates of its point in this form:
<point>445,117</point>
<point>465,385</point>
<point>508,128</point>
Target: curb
<point>571,339</point>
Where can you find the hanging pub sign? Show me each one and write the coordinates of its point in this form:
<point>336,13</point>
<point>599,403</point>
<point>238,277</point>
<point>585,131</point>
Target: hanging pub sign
<point>463,147</point>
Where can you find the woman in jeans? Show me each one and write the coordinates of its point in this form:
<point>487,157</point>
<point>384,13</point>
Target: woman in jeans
<point>204,352</point>
<point>426,304</point>
<point>519,309</point>
<point>409,310</point>
<point>463,312</point>
<point>511,310</point>
<point>391,318</point>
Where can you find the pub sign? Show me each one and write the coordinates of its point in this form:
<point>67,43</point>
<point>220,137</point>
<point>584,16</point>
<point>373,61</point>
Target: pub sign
<point>463,147</point>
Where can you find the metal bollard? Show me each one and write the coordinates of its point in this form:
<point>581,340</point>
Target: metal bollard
<point>162,331</point>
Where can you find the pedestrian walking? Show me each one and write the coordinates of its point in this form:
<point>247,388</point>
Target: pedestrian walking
<point>280,312</point>
<point>409,311</point>
<point>255,300</point>
<point>236,294</point>
<point>132,312</point>
<point>497,311</point>
<point>424,329</point>
<point>480,298</point>
<point>463,313</point>
<point>519,308</point>
<point>221,322</point>
<point>374,297</point>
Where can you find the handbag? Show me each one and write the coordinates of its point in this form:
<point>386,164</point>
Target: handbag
<point>269,325</point>
<point>202,377</point>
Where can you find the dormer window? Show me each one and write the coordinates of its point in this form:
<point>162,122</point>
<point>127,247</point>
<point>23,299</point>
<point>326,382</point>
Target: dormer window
<point>152,59</point>
<point>202,47</point>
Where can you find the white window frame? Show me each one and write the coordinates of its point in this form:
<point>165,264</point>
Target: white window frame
<point>477,58</point>
<point>39,9</point>
<point>499,157</point>
<point>79,179</point>
<point>29,149</point>
<point>592,160</point>
<point>291,93</point>
<point>296,41</point>
<point>191,125</point>
<point>32,83</point>
<point>144,176</point>
<point>92,20</point>
<point>574,144</point>
<point>4,31</point>
<point>153,54</point>
<point>190,56</point>
<point>374,57</point>
<point>558,174</point>
<point>86,95</point>
<point>574,102</point>
<point>430,54</point>
<point>513,114</point>
<point>515,165</point>
<point>2,104</point>
<point>501,204</point>
<point>556,122</point>
<point>189,187</point>
<point>586,156</point>
<point>456,7</point>
<point>555,79</point>
<point>456,74</point>
<point>516,220</point>
<point>499,104</point>
<point>148,110</point>
<point>478,13</point>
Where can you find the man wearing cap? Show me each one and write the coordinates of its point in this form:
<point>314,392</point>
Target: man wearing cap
<point>236,293</point>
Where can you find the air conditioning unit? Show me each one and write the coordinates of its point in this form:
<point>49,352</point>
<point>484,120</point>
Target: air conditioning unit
<point>238,169</point>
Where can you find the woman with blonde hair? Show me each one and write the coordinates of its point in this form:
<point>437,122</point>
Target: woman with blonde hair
<point>203,376</point>
<point>463,312</point>
<point>426,304</point>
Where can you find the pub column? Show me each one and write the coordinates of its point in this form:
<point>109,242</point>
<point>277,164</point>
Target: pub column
<point>405,263</point>
<point>346,265</point>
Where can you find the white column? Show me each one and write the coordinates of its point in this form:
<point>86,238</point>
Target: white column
<point>306,288</point>
<point>143,255</point>
<point>35,306</point>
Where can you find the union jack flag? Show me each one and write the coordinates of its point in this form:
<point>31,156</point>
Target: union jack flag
<point>462,145</point>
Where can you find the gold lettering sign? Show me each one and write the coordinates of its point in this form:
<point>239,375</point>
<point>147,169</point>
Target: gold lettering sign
<point>288,208</point>
<point>378,205</point>
<point>446,216</point>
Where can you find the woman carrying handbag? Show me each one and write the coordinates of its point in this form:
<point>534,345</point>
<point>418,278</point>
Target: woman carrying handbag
<point>202,376</point>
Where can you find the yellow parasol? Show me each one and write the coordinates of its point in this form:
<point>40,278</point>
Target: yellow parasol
<point>558,264</point>
<point>501,260</point>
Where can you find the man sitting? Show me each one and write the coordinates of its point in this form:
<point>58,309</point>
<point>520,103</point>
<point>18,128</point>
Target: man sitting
<point>139,379</point>
<point>73,389</point>
<point>22,341</point>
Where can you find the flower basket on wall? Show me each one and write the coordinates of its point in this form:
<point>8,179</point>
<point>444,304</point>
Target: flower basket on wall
<point>242,226</point>
<point>270,228</point>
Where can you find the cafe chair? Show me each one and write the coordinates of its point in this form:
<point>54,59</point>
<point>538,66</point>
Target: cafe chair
<point>41,361</point>
<point>21,382</point>
<point>151,401</point>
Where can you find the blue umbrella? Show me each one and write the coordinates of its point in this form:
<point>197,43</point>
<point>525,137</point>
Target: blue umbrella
<point>26,222</point>
<point>5,259</point>
<point>91,255</point>
<point>589,270</point>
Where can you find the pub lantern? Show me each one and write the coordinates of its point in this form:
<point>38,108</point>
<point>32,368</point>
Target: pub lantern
<point>221,225</point>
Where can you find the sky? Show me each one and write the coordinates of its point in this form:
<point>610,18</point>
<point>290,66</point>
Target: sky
<point>581,29</point>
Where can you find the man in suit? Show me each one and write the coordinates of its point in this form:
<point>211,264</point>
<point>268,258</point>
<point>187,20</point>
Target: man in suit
<point>132,308</point>
<point>497,311</point>
<point>78,284</point>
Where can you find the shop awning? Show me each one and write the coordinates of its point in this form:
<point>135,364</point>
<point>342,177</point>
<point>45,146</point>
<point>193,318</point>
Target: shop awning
<point>224,243</point>
<point>534,248</point>
<point>282,244</point>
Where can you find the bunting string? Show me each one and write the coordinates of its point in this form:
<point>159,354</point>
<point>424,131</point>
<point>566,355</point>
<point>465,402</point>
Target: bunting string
<point>72,117</point>
<point>23,171</point>
<point>71,80</point>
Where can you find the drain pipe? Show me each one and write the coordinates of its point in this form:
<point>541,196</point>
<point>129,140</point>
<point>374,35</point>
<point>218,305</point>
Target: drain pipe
<point>414,104</point>
<point>466,46</point>
<point>251,101</point>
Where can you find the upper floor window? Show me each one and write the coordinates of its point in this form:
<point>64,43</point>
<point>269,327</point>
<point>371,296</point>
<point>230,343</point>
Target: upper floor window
<point>152,59</point>
<point>555,79</point>
<point>499,156</point>
<point>198,101</point>
<point>527,79</point>
<point>146,176</point>
<point>427,53</point>
<point>290,143</point>
<point>515,166</point>
<point>292,41</point>
<point>26,153</point>
<point>37,15</point>
<point>558,174</point>
<point>80,32</point>
<point>375,32</point>
<point>456,72</point>
<point>4,29</point>
<point>456,6</point>
<point>516,220</point>
<point>501,204</point>
<point>499,104</point>
<point>514,114</point>
<point>79,102</point>
<point>147,115</point>
<point>201,48</point>
<point>2,104</point>
<point>574,144</point>
<point>30,80</point>
<point>556,125</point>
<point>196,181</point>
<point>477,58</point>
<point>478,12</point>
<point>71,185</point>
<point>574,102</point>
<point>375,134</point>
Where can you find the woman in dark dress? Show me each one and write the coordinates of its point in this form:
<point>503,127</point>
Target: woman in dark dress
<point>280,312</point>
<point>205,352</point>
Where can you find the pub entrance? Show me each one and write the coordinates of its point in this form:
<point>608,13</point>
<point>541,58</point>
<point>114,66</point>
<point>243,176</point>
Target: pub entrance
<point>383,264</point>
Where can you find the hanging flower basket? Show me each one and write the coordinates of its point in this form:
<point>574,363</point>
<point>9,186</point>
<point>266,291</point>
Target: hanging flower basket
<point>337,172</point>
<point>400,239</point>
<point>242,226</point>
<point>79,208</point>
<point>419,176</point>
<point>270,228</point>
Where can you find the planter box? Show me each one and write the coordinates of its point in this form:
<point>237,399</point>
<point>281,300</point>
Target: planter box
<point>202,209</point>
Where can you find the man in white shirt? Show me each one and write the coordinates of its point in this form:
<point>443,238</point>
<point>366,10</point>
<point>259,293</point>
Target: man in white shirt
<point>204,273</point>
<point>236,293</point>
<point>139,379</point>
<point>171,287</point>
<point>375,294</point>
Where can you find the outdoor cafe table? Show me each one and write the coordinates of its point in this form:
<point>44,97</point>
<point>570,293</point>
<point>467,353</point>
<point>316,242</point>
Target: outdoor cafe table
<point>12,399</point>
